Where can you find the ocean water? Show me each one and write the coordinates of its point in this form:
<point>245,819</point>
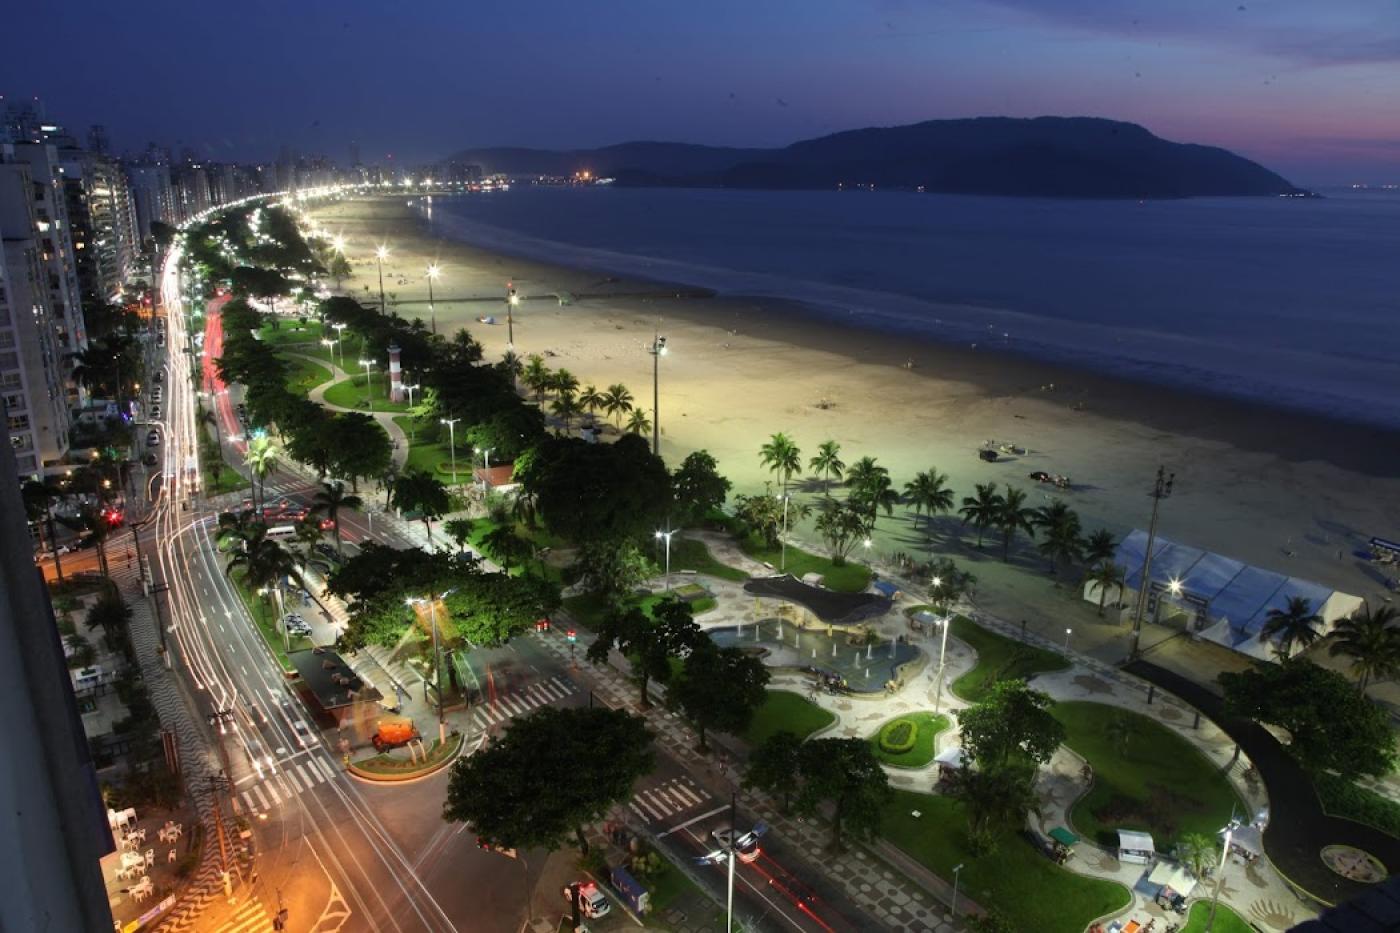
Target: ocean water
<point>1292,301</point>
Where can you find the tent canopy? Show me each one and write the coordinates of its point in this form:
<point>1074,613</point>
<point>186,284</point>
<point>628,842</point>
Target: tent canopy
<point>1135,841</point>
<point>1172,875</point>
<point>951,757</point>
<point>1063,836</point>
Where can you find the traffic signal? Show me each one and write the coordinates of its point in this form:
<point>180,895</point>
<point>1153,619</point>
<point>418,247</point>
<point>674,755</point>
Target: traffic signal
<point>573,636</point>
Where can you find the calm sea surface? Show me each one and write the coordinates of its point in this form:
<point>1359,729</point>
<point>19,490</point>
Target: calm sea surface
<point>1294,301</point>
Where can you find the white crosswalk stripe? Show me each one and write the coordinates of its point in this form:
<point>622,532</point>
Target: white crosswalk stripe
<point>289,778</point>
<point>521,702</point>
<point>667,800</point>
<point>295,778</point>
<point>251,917</point>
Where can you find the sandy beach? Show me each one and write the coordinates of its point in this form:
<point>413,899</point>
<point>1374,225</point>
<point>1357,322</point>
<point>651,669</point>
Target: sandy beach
<point>1290,492</point>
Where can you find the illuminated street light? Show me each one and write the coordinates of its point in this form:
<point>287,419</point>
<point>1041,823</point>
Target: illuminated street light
<point>666,535</point>
<point>381,253</point>
<point>452,442</point>
<point>369,398</point>
<point>657,351</point>
<point>412,431</point>
<point>433,272</point>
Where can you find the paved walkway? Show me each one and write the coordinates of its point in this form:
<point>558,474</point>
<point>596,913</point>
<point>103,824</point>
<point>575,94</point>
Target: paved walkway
<point>385,418</point>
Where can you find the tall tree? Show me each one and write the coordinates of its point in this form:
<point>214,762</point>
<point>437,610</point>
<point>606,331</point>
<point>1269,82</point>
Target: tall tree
<point>617,401</point>
<point>982,510</point>
<point>828,463</point>
<point>1296,625</point>
<point>329,501</point>
<point>996,801</point>
<point>782,458</point>
<point>261,457</point>
<point>506,547</point>
<point>419,491</point>
<point>697,489</point>
<point>590,400</point>
<point>1013,516</point>
<point>775,767</point>
<point>1198,854</point>
<point>697,692</point>
<point>649,642</point>
<point>1061,540</point>
<point>535,375</point>
<point>1100,546</point>
<point>1106,575</point>
<point>460,531</point>
<point>638,422</point>
<point>841,526</point>
<point>552,773</point>
<point>1012,722</point>
<point>1371,639</point>
<point>846,774</point>
<point>928,491</point>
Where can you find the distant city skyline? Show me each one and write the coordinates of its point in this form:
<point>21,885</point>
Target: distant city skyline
<point>1309,90</point>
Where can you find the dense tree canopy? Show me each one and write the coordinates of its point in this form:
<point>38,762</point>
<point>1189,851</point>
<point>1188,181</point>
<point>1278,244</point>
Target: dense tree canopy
<point>650,641</point>
<point>1013,723</point>
<point>1332,726</point>
<point>552,773</point>
<point>698,489</point>
<point>599,492</point>
<point>846,774</point>
<point>718,689</point>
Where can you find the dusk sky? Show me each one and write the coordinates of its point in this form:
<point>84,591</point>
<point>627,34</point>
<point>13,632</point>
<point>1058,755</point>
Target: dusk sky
<point>1310,88</point>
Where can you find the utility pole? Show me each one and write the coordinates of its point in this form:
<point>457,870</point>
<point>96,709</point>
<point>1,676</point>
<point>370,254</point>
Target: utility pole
<point>1162,489</point>
<point>512,299</point>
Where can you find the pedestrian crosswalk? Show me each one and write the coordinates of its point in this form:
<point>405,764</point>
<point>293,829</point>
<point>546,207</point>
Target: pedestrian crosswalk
<point>668,800</point>
<point>292,777</point>
<point>518,702</point>
<point>250,917</point>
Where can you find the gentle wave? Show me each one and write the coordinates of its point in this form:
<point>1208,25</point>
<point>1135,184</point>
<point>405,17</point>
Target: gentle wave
<point>1249,356</point>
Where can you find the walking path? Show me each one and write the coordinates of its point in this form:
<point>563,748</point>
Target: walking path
<point>385,418</point>
<point>1256,890</point>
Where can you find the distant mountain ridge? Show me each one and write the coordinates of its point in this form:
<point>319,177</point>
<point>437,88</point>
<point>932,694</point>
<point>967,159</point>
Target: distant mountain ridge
<point>1074,157</point>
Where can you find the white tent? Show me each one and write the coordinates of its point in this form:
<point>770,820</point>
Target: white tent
<point>951,758</point>
<point>1135,847</point>
<point>1172,875</point>
<point>1248,838</point>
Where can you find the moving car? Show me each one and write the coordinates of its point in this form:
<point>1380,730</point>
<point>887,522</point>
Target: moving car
<point>1054,479</point>
<point>591,901</point>
<point>745,846</point>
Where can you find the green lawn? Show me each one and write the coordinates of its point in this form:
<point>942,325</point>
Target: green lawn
<point>304,339</point>
<point>929,725</point>
<point>1341,797</point>
<point>303,375</point>
<point>428,450</point>
<point>1226,920</point>
<point>784,710</point>
<point>689,554</point>
<point>1159,783</point>
<point>350,393</point>
<point>850,577</point>
<point>998,658</point>
<point>1033,892</point>
<point>228,479</point>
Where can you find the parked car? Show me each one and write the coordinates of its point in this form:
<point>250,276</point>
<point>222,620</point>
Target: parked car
<point>150,459</point>
<point>591,901</point>
<point>987,454</point>
<point>153,439</point>
<point>159,377</point>
<point>155,411</point>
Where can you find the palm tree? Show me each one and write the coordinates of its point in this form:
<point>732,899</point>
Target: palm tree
<point>638,422</point>
<point>590,400</point>
<point>565,408</point>
<point>617,401</point>
<point>1062,541</point>
<point>982,510</point>
<point>265,563</point>
<point>506,547</point>
<point>563,383</point>
<point>330,499</point>
<point>1013,516</point>
<point>1106,575</point>
<point>207,416</point>
<point>828,463</point>
<point>421,492</point>
<point>1295,625</point>
<point>261,457</point>
<point>1372,643</point>
<point>460,531</point>
<point>929,491</point>
<point>1198,853</point>
<point>1100,546</point>
<point>536,375</point>
<point>781,456</point>
<point>511,365</point>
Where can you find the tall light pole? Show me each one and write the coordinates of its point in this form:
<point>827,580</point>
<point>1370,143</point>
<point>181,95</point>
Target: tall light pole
<point>329,344</point>
<point>381,253</point>
<point>1162,489</point>
<point>412,432</point>
<point>667,536</point>
<point>437,664</point>
<point>953,906</point>
<point>340,340</point>
<point>433,273</point>
<point>512,299</point>
<point>452,442</point>
<point>945,623</point>
<point>1068,633</point>
<point>369,391</point>
<point>657,351</point>
<point>782,540</point>
<point>1220,877</point>
<point>486,474</point>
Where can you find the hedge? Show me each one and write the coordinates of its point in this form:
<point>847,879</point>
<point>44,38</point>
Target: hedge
<point>898,736</point>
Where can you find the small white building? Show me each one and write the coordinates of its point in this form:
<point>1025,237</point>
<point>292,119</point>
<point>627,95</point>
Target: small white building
<point>1135,847</point>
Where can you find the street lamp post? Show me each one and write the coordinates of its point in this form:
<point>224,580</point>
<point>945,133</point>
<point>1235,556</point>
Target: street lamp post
<point>381,254</point>
<point>512,299</point>
<point>953,905</point>
<point>667,536</point>
<point>1068,632</point>
<point>1220,877</point>
<point>486,469</point>
<point>782,540</point>
<point>412,431</point>
<point>944,624</point>
<point>340,340</point>
<point>1162,489</point>
<point>369,385</point>
<point>437,665</point>
<point>657,351</point>
<point>452,442</point>
<point>433,273</point>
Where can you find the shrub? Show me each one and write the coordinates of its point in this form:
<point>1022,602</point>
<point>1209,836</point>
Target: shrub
<point>1342,798</point>
<point>898,736</point>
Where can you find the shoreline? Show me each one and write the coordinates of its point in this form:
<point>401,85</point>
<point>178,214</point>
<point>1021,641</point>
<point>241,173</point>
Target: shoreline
<point>1262,482</point>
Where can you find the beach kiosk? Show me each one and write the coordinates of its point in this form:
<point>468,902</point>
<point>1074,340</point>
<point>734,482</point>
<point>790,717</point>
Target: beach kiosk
<point>1135,847</point>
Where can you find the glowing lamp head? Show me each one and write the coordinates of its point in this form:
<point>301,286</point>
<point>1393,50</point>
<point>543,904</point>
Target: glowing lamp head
<point>434,272</point>
<point>381,253</point>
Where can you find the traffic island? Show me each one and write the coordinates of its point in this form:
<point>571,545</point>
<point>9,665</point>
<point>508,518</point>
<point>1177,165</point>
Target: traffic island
<point>405,765</point>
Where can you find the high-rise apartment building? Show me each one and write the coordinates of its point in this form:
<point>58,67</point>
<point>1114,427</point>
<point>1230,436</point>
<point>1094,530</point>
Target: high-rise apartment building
<point>102,226</point>
<point>33,382</point>
<point>152,196</point>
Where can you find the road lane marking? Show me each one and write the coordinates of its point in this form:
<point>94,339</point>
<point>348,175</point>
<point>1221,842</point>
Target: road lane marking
<point>693,820</point>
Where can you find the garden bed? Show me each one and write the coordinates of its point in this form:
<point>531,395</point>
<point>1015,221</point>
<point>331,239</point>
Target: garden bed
<point>391,768</point>
<point>922,739</point>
